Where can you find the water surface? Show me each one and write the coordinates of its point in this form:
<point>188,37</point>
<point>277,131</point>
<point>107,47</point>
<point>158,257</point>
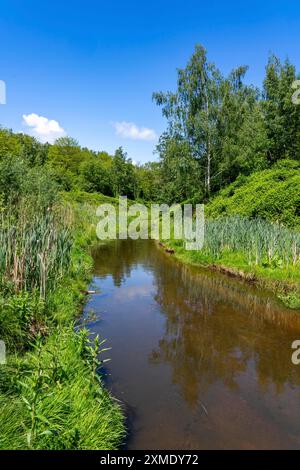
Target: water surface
<point>199,360</point>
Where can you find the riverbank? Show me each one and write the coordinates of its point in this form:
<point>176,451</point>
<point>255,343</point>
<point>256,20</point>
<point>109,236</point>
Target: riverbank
<point>283,282</point>
<point>51,395</point>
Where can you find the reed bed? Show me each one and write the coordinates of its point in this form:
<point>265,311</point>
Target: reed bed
<point>263,242</point>
<point>34,251</point>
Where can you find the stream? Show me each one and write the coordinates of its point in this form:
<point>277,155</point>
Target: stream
<point>198,360</point>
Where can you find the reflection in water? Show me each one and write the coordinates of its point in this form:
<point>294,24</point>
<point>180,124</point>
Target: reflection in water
<point>213,331</point>
<point>203,360</point>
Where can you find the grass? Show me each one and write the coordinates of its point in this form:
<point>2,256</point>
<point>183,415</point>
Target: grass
<point>264,243</point>
<point>51,395</point>
<point>55,401</point>
<point>85,198</point>
<point>34,251</point>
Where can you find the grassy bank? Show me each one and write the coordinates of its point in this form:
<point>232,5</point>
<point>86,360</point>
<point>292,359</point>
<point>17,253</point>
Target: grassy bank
<point>51,395</point>
<point>256,250</point>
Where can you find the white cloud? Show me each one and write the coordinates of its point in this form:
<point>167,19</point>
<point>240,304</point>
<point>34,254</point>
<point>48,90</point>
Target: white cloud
<point>129,130</point>
<point>44,129</point>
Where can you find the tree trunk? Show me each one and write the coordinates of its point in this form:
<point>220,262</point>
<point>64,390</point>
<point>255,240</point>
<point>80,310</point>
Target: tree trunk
<point>208,169</point>
<point>208,148</point>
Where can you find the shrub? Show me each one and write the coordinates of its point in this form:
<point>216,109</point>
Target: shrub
<point>272,194</point>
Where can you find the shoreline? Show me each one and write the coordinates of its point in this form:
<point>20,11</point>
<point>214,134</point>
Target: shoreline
<point>286,291</point>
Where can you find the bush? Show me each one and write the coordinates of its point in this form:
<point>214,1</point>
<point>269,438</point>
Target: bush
<point>272,194</point>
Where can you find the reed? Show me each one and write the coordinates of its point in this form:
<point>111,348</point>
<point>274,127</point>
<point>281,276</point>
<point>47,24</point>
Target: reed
<point>34,251</point>
<point>264,243</point>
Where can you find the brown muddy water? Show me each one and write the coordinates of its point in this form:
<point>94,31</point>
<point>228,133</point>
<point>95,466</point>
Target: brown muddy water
<point>199,360</point>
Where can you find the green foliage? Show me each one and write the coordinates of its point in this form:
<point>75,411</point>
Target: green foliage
<point>22,317</point>
<point>65,158</point>
<point>75,168</point>
<point>179,172</point>
<point>263,243</point>
<point>87,200</point>
<point>291,300</point>
<point>51,397</point>
<point>282,117</point>
<point>149,181</point>
<point>96,177</point>
<point>20,180</point>
<point>124,182</point>
<point>34,253</point>
<point>252,249</point>
<point>60,401</point>
<point>219,128</point>
<point>9,144</point>
<point>226,127</point>
<point>22,146</point>
<point>218,123</point>
<point>272,194</point>
<point>12,170</point>
<point>260,242</point>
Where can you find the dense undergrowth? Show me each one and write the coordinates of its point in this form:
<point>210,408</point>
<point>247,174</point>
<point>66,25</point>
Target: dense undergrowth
<point>51,395</point>
<point>272,194</point>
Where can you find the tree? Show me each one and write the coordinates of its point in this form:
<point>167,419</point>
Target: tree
<point>192,111</point>
<point>179,171</point>
<point>242,141</point>
<point>216,129</point>
<point>95,177</point>
<point>9,144</point>
<point>282,116</point>
<point>124,181</point>
<point>23,146</point>
<point>65,157</point>
<point>149,181</point>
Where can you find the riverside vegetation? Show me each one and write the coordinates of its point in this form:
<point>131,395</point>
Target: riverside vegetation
<point>51,394</point>
<point>228,145</point>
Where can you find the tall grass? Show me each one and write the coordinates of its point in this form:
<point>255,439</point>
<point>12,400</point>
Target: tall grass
<point>53,399</point>
<point>51,396</point>
<point>34,251</point>
<point>263,242</point>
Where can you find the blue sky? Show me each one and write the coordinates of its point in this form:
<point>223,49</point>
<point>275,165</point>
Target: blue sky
<point>92,66</point>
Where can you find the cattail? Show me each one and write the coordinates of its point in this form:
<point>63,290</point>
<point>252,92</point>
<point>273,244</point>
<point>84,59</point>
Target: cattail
<point>260,240</point>
<point>34,251</point>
